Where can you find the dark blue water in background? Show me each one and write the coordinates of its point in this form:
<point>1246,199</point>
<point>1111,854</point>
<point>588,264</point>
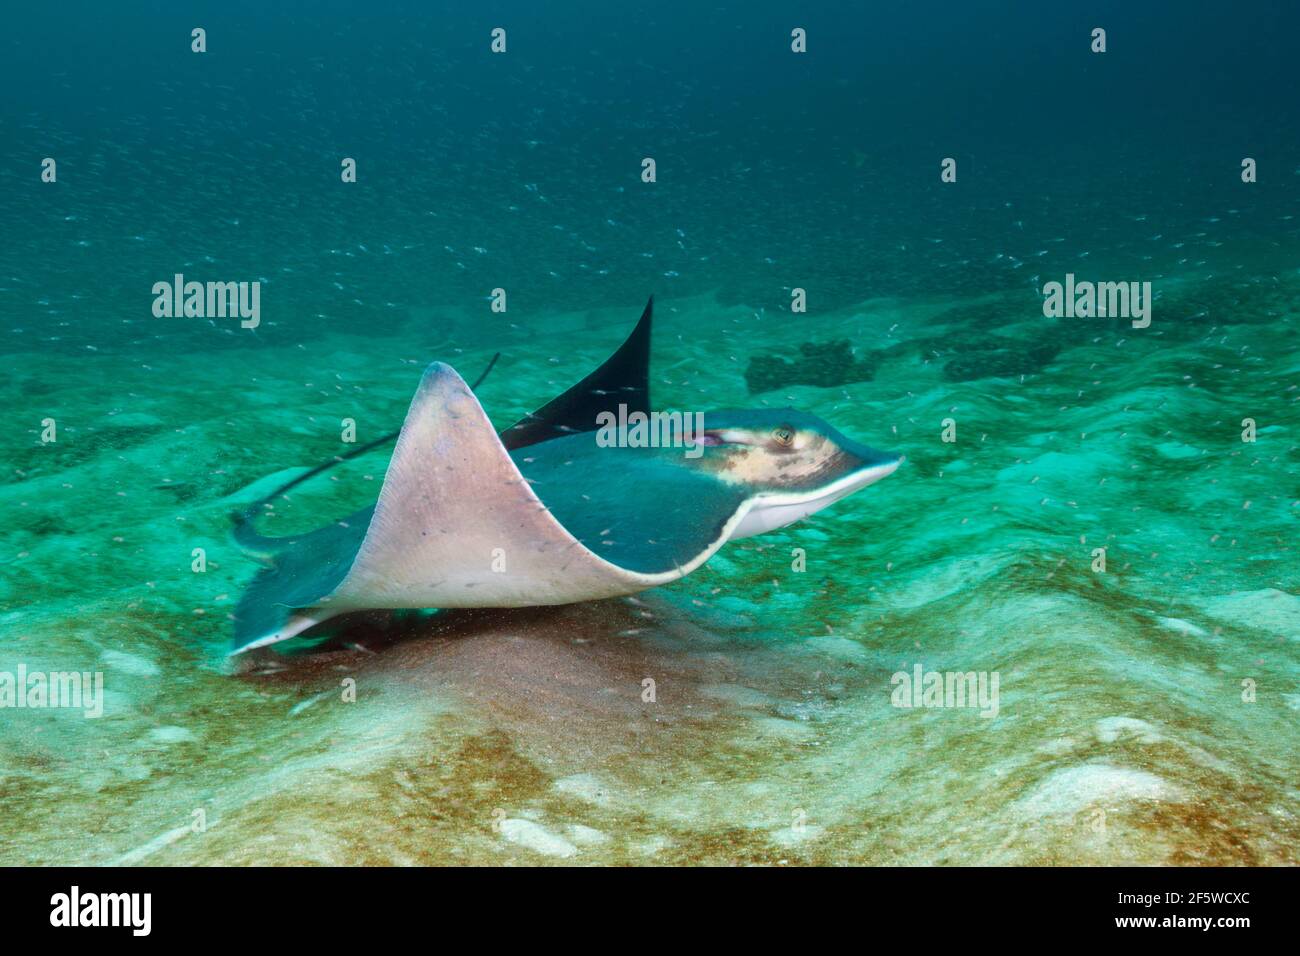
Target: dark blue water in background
<point>522,170</point>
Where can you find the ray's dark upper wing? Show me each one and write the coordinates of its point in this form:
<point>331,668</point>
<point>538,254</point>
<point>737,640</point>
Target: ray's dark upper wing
<point>647,510</point>
<point>623,379</point>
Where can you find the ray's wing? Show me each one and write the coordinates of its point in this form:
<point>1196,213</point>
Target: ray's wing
<point>438,481</point>
<point>456,525</point>
<point>301,571</point>
<point>624,378</point>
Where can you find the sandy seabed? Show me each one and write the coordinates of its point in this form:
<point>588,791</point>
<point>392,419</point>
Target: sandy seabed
<point>1147,714</point>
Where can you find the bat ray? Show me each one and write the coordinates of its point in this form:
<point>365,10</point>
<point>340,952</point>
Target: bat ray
<point>543,514</point>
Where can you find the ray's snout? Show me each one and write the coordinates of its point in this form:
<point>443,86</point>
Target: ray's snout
<point>870,463</point>
<point>866,466</point>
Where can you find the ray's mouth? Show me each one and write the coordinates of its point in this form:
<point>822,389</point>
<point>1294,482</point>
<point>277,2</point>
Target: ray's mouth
<point>776,510</point>
<point>857,480</point>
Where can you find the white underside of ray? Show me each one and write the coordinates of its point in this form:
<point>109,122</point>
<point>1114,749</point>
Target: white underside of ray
<point>457,525</point>
<point>771,511</point>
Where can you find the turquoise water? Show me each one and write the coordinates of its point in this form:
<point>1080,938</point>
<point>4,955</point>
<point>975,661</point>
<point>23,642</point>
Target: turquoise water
<point>1146,712</point>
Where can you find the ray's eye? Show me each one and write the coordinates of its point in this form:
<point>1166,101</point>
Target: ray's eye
<point>783,435</point>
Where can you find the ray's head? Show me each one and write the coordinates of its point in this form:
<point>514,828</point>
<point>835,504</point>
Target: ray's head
<point>792,463</point>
